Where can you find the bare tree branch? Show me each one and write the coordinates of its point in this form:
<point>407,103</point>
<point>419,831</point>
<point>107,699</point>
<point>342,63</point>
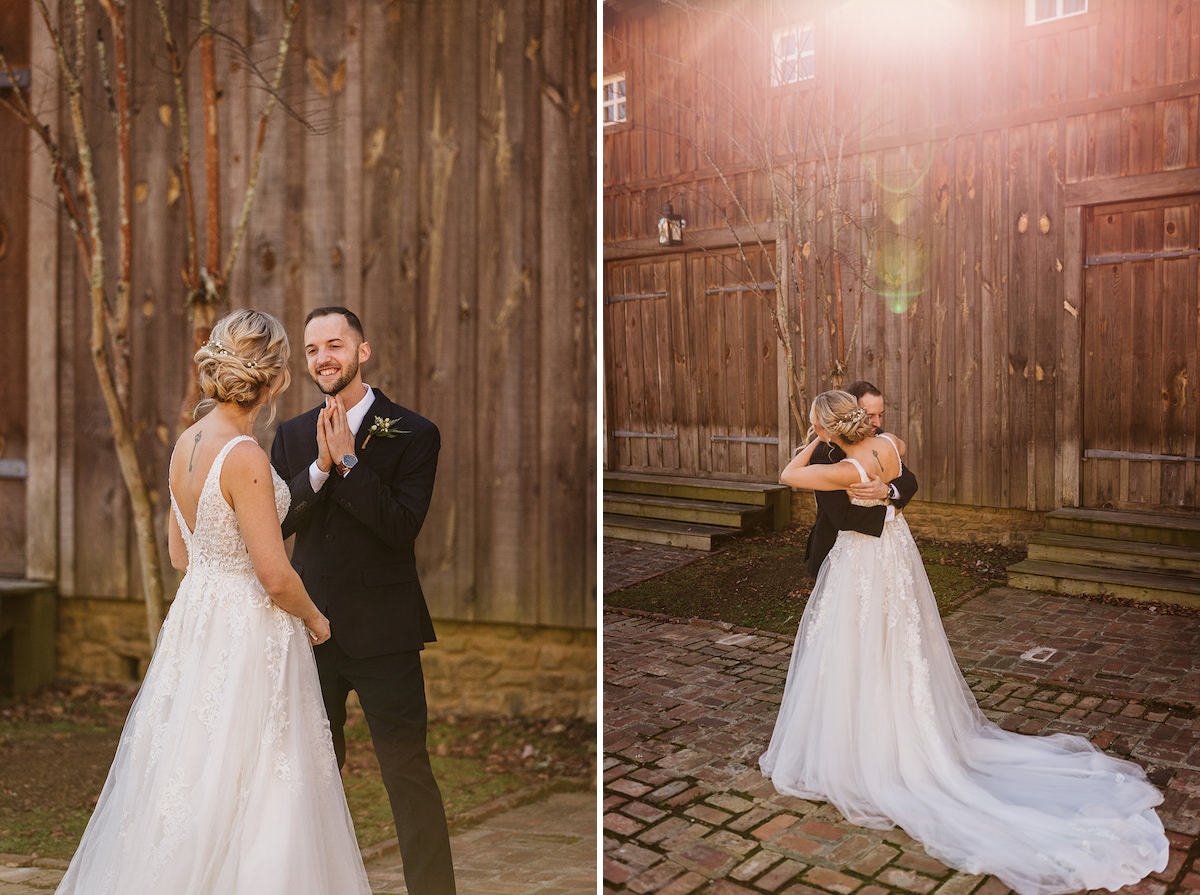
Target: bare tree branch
<point>192,269</point>
<point>292,9</point>
<point>212,153</point>
<point>20,108</point>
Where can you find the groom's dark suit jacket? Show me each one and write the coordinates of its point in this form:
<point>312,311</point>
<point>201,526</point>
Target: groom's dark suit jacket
<point>836,513</point>
<point>355,537</point>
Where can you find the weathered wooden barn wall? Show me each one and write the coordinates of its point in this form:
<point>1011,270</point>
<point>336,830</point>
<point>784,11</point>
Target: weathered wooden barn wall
<point>977,149</point>
<point>435,174</point>
<point>14,211</point>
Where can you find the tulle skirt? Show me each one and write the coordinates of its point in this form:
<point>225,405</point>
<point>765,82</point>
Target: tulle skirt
<point>225,780</point>
<point>877,719</point>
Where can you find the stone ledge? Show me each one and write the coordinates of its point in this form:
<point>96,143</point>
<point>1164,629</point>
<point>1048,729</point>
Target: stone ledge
<point>949,522</point>
<point>474,668</point>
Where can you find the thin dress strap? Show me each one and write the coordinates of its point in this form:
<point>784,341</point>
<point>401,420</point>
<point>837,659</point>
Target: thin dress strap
<point>894,448</point>
<point>862,473</point>
<point>217,463</point>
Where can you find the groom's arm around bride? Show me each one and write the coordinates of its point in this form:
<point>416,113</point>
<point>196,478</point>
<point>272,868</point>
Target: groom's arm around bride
<point>835,512</point>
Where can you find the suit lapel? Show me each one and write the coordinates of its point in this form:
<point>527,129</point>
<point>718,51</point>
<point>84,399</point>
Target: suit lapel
<point>382,407</point>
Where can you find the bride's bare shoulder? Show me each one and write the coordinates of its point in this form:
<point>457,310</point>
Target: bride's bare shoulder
<point>898,442</point>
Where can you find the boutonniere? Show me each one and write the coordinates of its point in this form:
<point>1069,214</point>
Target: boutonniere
<point>383,428</point>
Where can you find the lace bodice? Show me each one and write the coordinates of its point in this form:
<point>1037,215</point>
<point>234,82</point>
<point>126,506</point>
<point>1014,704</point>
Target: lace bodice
<point>217,544</point>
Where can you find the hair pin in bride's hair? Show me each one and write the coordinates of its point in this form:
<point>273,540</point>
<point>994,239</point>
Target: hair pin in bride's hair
<point>216,348</point>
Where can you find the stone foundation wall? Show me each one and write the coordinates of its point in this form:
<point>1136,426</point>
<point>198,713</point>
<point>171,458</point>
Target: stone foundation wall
<point>948,522</point>
<point>487,669</point>
<point>474,668</point>
<point>102,640</point>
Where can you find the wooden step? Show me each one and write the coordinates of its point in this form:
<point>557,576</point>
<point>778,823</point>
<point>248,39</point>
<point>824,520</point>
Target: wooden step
<point>1179,530</point>
<point>1066,578</point>
<point>704,512</point>
<point>752,493</point>
<point>692,536</point>
<point>774,499</point>
<point>1080,550</point>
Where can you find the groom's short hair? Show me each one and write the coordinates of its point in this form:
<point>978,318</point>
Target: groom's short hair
<point>351,318</point>
<point>862,387</point>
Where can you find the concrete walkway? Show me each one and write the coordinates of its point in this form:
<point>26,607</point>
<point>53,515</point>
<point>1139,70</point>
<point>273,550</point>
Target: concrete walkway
<point>546,847</point>
<point>689,707</point>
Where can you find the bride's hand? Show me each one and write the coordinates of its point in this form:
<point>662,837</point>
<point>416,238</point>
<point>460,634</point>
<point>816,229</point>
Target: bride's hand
<point>318,629</point>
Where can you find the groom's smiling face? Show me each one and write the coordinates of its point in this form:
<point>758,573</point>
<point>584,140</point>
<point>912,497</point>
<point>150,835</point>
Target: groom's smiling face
<point>333,352</point>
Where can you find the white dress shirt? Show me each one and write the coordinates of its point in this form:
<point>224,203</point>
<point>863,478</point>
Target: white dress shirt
<point>354,418</point>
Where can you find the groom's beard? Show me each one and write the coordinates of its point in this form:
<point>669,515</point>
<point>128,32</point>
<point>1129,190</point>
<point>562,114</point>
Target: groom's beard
<point>341,381</point>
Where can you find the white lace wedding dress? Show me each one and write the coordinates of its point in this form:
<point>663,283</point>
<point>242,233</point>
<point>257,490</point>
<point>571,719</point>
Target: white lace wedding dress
<point>225,781</point>
<point>877,719</point>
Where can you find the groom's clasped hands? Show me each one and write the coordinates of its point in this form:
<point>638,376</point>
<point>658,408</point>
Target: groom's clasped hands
<point>334,437</point>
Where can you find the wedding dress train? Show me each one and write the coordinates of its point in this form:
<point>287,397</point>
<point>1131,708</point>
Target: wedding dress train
<point>225,780</point>
<point>877,719</point>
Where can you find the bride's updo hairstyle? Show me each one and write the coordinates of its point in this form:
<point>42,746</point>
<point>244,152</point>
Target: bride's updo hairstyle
<point>247,351</point>
<point>839,413</point>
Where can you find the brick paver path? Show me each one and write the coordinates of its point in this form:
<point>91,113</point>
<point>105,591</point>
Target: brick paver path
<point>628,562</point>
<point>690,707</point>
<point>547,847</point>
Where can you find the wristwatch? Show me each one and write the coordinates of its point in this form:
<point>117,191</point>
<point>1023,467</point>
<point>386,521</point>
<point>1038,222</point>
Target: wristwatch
<point>347,463</point>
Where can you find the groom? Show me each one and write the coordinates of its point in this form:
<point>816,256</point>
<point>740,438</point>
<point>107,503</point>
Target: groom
<point>835,512</point>
<point>360,470</point>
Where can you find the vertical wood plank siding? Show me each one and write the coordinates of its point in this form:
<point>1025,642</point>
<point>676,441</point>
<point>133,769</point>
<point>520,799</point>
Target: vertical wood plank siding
<point>437,175</point>
<point>965,142</point>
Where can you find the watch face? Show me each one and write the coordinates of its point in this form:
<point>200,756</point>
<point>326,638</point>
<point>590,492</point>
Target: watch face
<point>349,461</point>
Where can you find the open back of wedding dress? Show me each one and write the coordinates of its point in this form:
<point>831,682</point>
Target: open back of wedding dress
<point>225,781</point>
<point>877,719</point>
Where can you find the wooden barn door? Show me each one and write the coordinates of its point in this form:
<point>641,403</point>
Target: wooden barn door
<point>691,366</point>
<point>14,298</point>
<point>1141,329</point>
<point>641,365</point>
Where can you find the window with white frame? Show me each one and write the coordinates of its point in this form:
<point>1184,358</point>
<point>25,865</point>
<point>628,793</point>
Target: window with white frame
<point>1037,11</point>
<point>794,54</point>
<point>613,100</point>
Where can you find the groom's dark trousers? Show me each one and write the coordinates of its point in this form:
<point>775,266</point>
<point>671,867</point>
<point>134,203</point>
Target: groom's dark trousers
<point>355,551</point>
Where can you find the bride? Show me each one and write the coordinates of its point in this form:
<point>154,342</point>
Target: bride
<point>225,779</point>
<point>877,719</point>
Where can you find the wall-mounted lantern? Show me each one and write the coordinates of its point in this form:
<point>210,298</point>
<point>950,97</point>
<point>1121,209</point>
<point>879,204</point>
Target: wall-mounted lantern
<point>670,227</point>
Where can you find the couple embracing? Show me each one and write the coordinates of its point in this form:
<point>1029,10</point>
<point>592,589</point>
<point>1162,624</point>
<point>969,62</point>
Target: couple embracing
<point>877,719</point>
<point>226,777</point>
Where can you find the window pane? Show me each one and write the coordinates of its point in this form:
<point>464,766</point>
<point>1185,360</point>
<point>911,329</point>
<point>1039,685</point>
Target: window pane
<point>1044,9</point>
<point>808,67</point>
<point>1073,6</point>
<point>807,38</point>
<point>620,112</point>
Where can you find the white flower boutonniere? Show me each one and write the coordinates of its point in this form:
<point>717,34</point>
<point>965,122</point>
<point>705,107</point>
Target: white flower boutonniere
<point>383,428</point>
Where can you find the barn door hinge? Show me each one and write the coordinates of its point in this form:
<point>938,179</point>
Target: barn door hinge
<point>745,439</point>
<point>1092,260</point>
<point>637,296</point>
<point>750,287</point>
<point>622,434</point>
<point>1093,454</point>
